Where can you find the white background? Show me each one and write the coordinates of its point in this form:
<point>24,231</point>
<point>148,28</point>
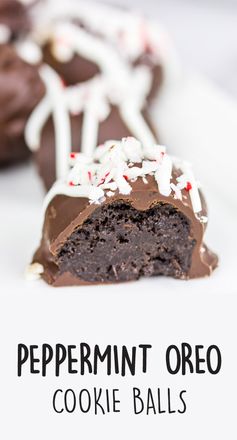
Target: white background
<point>156,311</point>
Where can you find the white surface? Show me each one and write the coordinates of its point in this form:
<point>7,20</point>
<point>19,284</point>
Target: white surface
<point>198,121</point>
<point>204,33</point>
<point>158,311</point>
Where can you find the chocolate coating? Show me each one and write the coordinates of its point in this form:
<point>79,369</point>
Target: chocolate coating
<point>80,69</point>
<point>74,71</point>
<point>15,16</point>
<point>112,128</point>
<point>67,215</point>
<point>21,89</point>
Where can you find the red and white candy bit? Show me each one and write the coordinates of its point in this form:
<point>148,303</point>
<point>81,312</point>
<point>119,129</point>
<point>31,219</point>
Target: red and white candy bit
<point>73,158</point>
<point>112,168</point>
<point>73,155</point>
<point>191,187</point>
<point>63,83</point>
<point>103,179</point>
<point>188,186</point>
<point>145,38</point>
<point>61,47</point>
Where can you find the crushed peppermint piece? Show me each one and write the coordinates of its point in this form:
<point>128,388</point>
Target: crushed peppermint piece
<point>177,191</point>
<point>116,164</point>
<point>63,84</point>
<point>110,194</point>
<point>188,186</point>
<point>34,271</point>
<point>203,219</point>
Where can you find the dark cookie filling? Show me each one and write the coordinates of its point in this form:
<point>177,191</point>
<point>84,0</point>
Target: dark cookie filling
<point>120,243</point>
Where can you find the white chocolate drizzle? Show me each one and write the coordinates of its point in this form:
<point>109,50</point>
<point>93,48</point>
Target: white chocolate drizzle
<point>61,118</point>
<point>113,39</point>
<point>53,103</point>
<point>36,122</point>
<point>113,166</point>
<point>5,33</point>
<point>91,48</point>
<point>127,31</point>
<point>92,98</point>
<point>29,51</point>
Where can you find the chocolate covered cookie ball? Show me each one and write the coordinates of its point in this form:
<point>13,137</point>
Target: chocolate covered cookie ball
<point>130,211</point>
<point>14,20</point>
<point>80,117</point>
<point>21,89</point>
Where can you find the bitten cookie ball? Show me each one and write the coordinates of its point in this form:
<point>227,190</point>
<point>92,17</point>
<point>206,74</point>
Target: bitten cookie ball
<point>129,212</point>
